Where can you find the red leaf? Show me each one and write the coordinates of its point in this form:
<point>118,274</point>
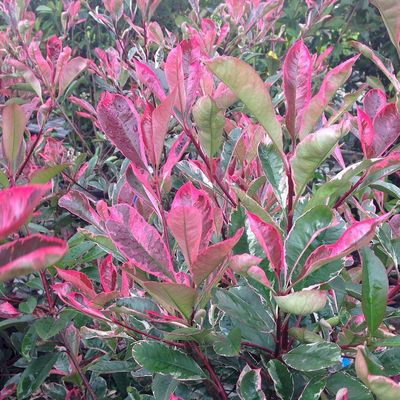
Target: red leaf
<point>150,79</point>
<point>30,254</point>
<point>175,154</point>
<point>373,101</point>
<point>354,238</point>
<point>185,224</point>
<point>108,274</point>
<point>366,133</point>
<point>82,304</point>
<point>175,77</point>
<point>7,310</point>
<point>297,70</point>
<point>119,120</point>
<point>139,242</point>
<point>212,257</point>
<point>271,242</point>
<point>240,263</point>
<point>79,280</point>
<point>53,48</point>
<point>70,71</point>
<point>17,205</point>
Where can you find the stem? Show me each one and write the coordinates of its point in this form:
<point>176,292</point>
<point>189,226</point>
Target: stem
<point>215,380</point>
<point>278,337</point>
<point>50,298</point>
<point>350,191</point>
<point>259,347</point>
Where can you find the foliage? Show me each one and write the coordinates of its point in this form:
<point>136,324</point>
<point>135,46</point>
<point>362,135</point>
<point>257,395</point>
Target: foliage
<point>186,215</point>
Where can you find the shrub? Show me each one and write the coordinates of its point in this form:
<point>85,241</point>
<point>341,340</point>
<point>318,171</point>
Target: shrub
<point>177,223</point>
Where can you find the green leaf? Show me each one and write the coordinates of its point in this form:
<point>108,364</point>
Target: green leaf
<point>302,303</point>
<point>374,289</point>
<point>244,81</point>
<point>387,187</point>
<point>228,148</point>
<point>311,152</point>
<point>313,389</point>
<point>313,357</point>
<point>230,345</point>
<point>111,367</point>
<point>28,306</point>
<point>14,123</point>
<point>249,384</point>
<point>35,374</point>
<point>357,390</point>
<point>274,170</point>
<point>181,297</point>
<point>282,378</point>
<point>210,121</point>
<point>304,231</point>
<point>163,386</point>
<point>159,358</point>
<point>45,175</point>
<point>390,341</point>
<point>49,327</point>
<point>4,182</point>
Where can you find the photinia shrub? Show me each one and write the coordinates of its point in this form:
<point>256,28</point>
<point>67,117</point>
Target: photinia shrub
<point>215,218</point>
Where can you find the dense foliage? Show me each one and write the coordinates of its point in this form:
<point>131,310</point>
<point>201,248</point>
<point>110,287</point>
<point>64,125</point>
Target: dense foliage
<point>200,202</point>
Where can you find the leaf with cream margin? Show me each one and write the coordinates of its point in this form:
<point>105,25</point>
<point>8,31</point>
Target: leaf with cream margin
<point>297,69</point>
<point>311,152</point>
<point>271,242</point>
<point>247,85</point>
<point>180,297</point>
<point>119,120</point>
<point>139,242</point>
<point>35,252</point>
<point>302,303</point>
<point>14,123</point>
<point>333,80</point>
<point>354,238</point>
<point>249,384</point>
<point>210,121</point>
<point>17,205</point>
<point>212,257</point>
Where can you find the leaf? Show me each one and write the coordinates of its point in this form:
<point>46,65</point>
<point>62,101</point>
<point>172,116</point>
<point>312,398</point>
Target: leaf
<point>185,224</point>
<point>181,297</point>
<point>17,205</point>
<point>149,78</point>
<point>163,386</point>
<point>139,242</point>
<point>244,81</point>
<point>79,280</point>
<point>302,303</point>
<point>212,257</point>
<point>45,175</point>
<point>384,388</point>
<point>108,274</point>
<point>249,384</point>
<point>375,289</point>
<point>48,327</point>
<point>28,75</point>
<point>156,357</point>
<point>119,120</point>
<point>297,69</point>
<point>313,357</point>
<point>35,374</point>
<point>229,346</point>
<point>14,124</point>
<point>210,121</point>
<point>313,389</point>
<point>342,394</point>
<point>154,127</point>
<point>282,378</point>
<point>333,80</point>
<point>305,229</point>
<point>373,101</point>
<point>390,12</point>
<point>311,152</point>
<point>32,253</point>
<point>354,238</point>
<point>357,391</point>
<point>271,241</point>
<point>111,366</point>
<point>274,170</point>
<point>228,149</point>
<point>70,71</point>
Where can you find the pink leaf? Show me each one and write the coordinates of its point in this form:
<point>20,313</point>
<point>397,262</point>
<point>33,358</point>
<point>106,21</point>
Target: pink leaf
<point>175,154</point>
<point>17,205</point>
<point>146,75</point>
<point>53,48</point>
<point>354,238</point>
<point>373,101</point>
<point>342,394</point>
<point>240,263</point>
<point>259,275</point>
<point>108,274</point>
<point>297,70</point>
<point>212,257</point>
<point>366,132</point>
<point>119,121</point>
<point>175,76</point>
<point>333,80</point>
<point>69,72</point>
<point>82,304</point>
<point>185,224</point>
<point>79,280</point>
<point>7,310</point>
<point>139,242</point>
<point>271,242</point>
<point>78,204</point>
<point>189,196</point>
<point>154,126</point>
<point>30,254</point>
